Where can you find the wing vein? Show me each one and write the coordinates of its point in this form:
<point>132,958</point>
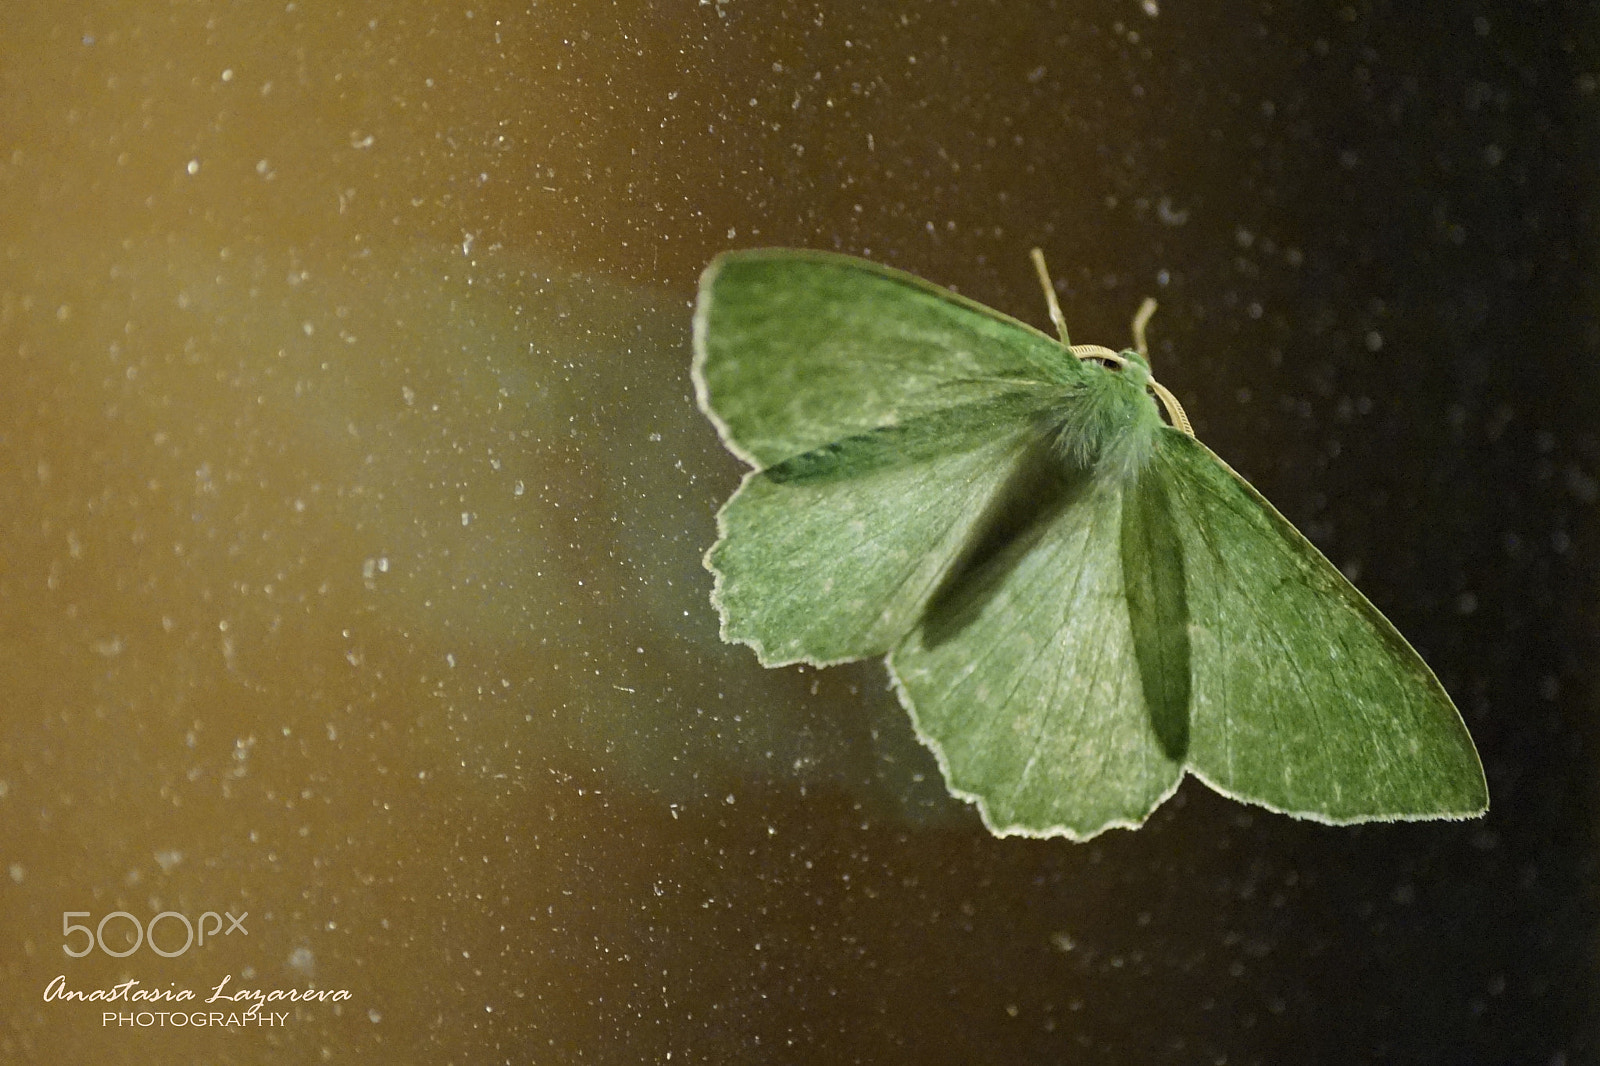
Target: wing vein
<point>1059,665</point>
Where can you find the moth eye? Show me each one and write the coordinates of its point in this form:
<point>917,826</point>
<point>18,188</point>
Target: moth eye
<point>1109,365</point>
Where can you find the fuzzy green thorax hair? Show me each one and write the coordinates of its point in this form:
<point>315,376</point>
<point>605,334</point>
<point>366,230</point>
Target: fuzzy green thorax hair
<point>1108,418</point>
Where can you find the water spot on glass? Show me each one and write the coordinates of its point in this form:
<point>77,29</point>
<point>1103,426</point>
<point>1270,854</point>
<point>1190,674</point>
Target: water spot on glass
<point>302,960</point>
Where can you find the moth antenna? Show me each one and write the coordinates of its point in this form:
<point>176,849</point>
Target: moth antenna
<point>1169,402</point>
<point>1094,351</point>
<point>1141,319</point>
<point>1050,296</point>
<point>1173,407</point>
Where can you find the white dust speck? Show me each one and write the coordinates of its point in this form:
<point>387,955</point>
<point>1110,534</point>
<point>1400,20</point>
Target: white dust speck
<point>1169,215</point>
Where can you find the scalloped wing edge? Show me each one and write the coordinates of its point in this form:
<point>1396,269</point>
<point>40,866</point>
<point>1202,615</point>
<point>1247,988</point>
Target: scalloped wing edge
<point>718,579</point>
<point>977,800</point>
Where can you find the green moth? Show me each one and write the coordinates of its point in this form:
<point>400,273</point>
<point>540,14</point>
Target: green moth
<point>1079,602</point>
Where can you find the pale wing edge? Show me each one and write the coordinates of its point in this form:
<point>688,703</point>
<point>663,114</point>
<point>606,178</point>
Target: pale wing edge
<point>1326,819</point>
<point>702,390</point>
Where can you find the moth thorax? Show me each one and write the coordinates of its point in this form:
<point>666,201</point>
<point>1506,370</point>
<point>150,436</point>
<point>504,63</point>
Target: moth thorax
<point>1107,422</point>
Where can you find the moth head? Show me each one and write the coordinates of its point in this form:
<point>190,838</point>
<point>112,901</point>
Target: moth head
<point>1127,363</point>
<point>1131,363</point>
<point>1132,359</point>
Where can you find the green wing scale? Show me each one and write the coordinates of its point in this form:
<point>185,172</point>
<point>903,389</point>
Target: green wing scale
<point>1306,700</point>
<point>1020,679</point>
<point>798,350</point>
<point>831,555</point>
<point>1070,634</point>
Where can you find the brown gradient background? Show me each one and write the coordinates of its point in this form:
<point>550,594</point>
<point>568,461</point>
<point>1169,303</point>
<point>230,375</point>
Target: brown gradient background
<point>352,498</point>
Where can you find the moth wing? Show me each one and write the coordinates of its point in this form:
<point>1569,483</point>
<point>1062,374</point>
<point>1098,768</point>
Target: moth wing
<point>1305,699</point>
<point>1023,679</point>
<point>832,554</point>
<point>796,350</point>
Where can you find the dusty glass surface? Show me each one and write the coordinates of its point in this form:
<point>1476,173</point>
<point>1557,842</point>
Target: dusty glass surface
<point>352,499</point>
